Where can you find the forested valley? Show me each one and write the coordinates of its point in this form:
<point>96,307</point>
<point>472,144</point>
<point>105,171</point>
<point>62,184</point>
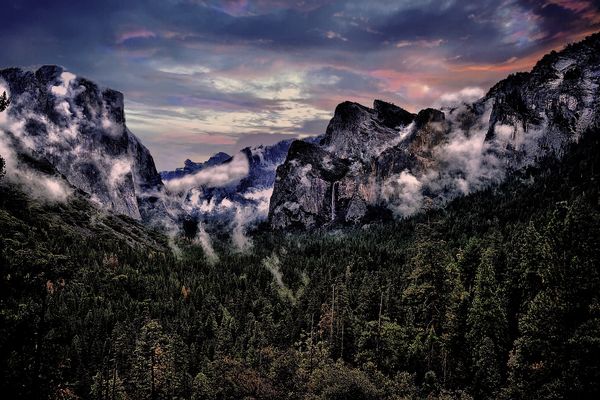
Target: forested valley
<point>496,295</point>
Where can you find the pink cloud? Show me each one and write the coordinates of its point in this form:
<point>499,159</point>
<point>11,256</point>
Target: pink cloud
<point>142,33</point>
<point>585,8</point>
<point>189,137</point>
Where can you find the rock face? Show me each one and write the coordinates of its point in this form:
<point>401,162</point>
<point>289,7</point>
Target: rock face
<point>80,129</point>
<point>359,132</point>
<point>338,179</point>
<point>375,161</point>
<point>556,101</point>
<point>312,175</point>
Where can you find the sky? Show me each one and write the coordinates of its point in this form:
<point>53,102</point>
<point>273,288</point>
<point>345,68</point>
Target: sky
<point>202,76</point>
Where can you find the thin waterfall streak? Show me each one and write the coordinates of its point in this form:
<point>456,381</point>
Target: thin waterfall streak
<point>333,201</point>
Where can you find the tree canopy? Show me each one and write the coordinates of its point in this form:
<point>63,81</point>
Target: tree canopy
<point>495,296</point>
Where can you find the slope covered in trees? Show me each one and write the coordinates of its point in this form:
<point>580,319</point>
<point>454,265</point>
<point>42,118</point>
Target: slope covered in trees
<point>495,296</point>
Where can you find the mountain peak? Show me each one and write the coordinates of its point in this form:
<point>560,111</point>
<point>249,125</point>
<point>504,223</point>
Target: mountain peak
<point>391,115</point>
<point>49,73</point>
<point>220,156</point>
<point>355,131</point>
<point>348,111</point>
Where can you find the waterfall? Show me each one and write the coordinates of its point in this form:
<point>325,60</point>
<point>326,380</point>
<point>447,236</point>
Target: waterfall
<point>333,201</point>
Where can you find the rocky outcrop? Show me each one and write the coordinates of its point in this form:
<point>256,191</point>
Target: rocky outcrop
<point>79,127</point>
<point>386,158</point>
<point>338,180</point>
<point>356,131</point>
<point>310,194</point>
<point>549,106</point>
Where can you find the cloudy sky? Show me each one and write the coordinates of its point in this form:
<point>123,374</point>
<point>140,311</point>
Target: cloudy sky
<point>201,76</point>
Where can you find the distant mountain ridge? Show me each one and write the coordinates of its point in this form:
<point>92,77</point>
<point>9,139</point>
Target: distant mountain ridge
<point>190,167</point>
<point>245,199</point>
<point>373,162</point>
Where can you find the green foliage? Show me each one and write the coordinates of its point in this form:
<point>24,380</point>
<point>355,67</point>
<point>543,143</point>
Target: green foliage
<point>338,382</point>
<point>495,296</point>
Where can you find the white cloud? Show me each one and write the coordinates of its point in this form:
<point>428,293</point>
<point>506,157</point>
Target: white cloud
<point>119,169</point>
<point>262,197</point>
<point>504,132</point>
<point>64,108</point>
<point>404,193</point>
<point>63,87</point>
<point>238,234</point>
<point>184,70</point>
<point>204,240</point>
<point>40,186</point>
<point>335,35</point>
<point>465,95</point>
<point>4,88</point>
<point>109,126</point>
<point>217,176</point>
<point>461,164</point>
<point>429,44</point>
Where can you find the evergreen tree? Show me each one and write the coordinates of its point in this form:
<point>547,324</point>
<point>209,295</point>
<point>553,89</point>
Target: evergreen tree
<point>426,297</point>
<point>487,330</point>
<point>4,101</point>
<point>159,369</point>
<point>558,323</point>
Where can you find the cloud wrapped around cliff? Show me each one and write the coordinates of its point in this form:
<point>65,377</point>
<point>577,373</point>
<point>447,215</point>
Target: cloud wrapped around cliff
<point>38,185</point>
<point>466,95</point>
<point>217,176</point>
<point>461,165</point>
<point>404,193</point>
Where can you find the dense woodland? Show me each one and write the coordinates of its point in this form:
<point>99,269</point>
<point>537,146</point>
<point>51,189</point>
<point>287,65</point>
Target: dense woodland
<point>495,296</point>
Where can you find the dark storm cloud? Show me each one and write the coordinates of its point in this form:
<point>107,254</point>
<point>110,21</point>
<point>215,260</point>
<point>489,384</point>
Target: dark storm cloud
<point>345,25</point>
<point>562,16</point>
<point>207,72</point>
